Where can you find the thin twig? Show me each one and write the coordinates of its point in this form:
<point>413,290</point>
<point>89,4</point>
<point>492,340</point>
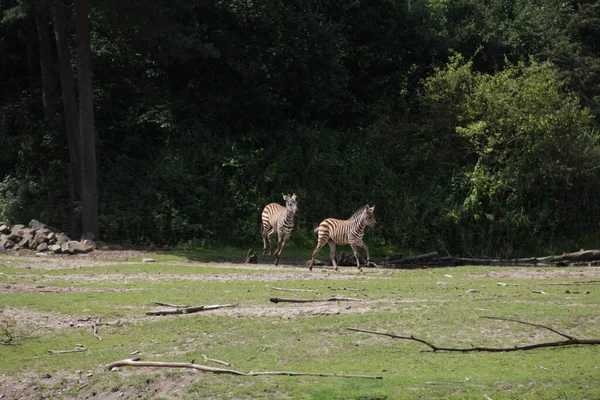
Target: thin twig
<point>95,330</point>
<point>158,303</point>
<point>77,349</point>
<point>215,360</point>
<point>204,368</point>
<point>282,300</point>
<point>571,341</point>
<point>536,325</point>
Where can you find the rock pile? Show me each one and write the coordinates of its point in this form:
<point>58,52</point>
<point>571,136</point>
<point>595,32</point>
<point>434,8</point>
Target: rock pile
<point>42,238</point>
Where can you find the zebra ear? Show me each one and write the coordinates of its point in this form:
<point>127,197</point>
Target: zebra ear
<point>372,209</point>
<point>294,196</point>
<point>284,196</point>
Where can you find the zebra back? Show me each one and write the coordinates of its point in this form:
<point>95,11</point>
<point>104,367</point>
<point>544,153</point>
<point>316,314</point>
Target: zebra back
<point>349,230</point>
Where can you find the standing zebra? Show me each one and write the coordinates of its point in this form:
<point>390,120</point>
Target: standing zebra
<point>341,232</point>
<point>276,218</point>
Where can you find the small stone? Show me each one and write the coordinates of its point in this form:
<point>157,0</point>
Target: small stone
<point>148,260</point>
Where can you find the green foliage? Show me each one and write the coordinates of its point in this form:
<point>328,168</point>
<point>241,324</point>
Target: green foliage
<point>207,111</point>
<point>533,147</point>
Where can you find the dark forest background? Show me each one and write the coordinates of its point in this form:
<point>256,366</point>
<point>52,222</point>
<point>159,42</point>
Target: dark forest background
<point>472,125</point>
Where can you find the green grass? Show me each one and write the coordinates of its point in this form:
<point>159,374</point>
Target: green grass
<point>406,302</point>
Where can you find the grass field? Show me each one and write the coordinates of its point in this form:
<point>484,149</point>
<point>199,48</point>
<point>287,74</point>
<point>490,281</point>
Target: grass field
<point>53,303</point>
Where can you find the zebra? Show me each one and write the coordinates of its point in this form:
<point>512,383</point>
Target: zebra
<point>341,232</point>
<point>276,218</point>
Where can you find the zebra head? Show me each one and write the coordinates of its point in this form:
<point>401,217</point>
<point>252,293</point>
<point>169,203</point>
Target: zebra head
<point>291,204</point>
<point>368,216</point>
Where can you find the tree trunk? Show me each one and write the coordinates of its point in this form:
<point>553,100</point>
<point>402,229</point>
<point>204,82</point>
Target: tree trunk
<point>31,49</point>
<point>43,29</point>
<point>87,144</point>
<point>71,114</point>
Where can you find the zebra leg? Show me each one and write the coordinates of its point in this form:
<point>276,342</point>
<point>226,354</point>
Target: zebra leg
<point>320,245</point>
<point>269,234</point>
<point>280,247</point>
<point>264,237</point>
<point>356,256</point>
<point>364,245</point>
<point>332,254</point>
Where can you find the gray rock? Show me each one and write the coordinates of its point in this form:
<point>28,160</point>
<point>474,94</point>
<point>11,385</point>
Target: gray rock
<point>16,228</point>
<point>6,243</point>
<point>4,228</point>
<point>26,239</point>
<point>35,224</point>
<point>61,239</point>
<point>55,248</point>
<point>42,246</point>
<point>74,247</point>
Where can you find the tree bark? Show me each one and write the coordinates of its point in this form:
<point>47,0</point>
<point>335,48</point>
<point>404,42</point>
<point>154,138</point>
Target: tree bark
<point>71,114</point>
<point>87,144</point>
<point>43,29</point>
<point>31,50</point>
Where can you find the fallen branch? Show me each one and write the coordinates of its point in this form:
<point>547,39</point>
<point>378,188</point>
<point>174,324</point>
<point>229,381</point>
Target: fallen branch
<point>204,368</point>
<point>570,340</point>
<point>77,349</point>
<point>189,310</point>
<point>582,257</point>
<point>215,360</point>
<point>573,283</point>
<point>95,330</point>
<point>158,303</point>
<point>284,300</point>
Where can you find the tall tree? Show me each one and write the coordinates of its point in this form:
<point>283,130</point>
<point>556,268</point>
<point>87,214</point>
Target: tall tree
<point>43,29</point>
<point>87,141</point>
<point>71,114</point>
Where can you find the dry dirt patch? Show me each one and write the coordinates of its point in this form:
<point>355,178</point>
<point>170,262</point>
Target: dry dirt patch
<point>529,273</point>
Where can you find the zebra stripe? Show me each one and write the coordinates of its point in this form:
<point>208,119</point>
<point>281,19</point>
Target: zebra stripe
<point>280,219</point>
<point>342,232</point>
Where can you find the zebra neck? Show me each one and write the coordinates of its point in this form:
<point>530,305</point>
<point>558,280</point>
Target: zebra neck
<point>358,226</point>
<point>289,217</point>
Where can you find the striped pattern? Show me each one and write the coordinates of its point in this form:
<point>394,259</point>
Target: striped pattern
<point>341,232</point>
<point>280,219</point>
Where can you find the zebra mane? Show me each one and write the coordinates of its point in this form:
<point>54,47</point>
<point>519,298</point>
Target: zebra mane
<point>359,212</point>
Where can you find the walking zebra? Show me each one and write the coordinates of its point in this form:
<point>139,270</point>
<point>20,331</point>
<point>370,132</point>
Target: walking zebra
<point>341,232</point>
<point>276,218</point>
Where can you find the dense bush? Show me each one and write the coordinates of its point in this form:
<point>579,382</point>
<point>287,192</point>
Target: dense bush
<point>207,111</point>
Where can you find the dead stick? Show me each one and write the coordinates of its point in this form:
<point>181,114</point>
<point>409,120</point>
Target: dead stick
<point>529,323</point>
<point>76,350</point>
<point>569,342</point>
<point>215,360</point>
<point>282,300</point>
<point>95,330</point>
<point>204,368</point>
<point>573,283</point>
<point>158,303</point>
<point>189,310</point>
